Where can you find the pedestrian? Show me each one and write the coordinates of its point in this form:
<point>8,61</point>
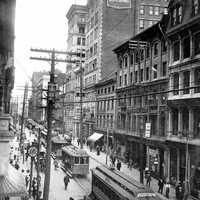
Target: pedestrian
<point>78,141</point>
<point>27,180</point>
<point>16,165</point>
<point>148,176</point>
<point>160,185</point>
<point>98,150</point>
<point>179,191</point>
<point>130,164</point>
<point>167,189</point>
<point>119,165</point>
<point>66,181</point>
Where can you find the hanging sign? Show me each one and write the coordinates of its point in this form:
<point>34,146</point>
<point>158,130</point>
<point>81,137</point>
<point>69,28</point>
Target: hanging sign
<point>119,4</point>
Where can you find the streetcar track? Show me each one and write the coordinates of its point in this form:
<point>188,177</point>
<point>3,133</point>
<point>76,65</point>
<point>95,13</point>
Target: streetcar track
<point>81,185</point>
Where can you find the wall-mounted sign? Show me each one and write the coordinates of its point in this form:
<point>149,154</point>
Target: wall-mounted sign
<point>119,4</point>
<point>148,130</point>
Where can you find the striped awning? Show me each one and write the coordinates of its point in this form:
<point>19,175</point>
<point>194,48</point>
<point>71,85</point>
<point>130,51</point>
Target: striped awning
<point>12,184</point>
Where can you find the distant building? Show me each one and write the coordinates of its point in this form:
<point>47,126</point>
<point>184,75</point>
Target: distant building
<point>38,102</point>
<point>105,110</point>
<point>77,18</point>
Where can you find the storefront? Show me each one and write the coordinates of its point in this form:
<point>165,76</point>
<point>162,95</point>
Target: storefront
<point>156,161</point>
<point>120,146</point>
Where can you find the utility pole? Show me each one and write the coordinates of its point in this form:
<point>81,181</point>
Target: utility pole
<point>51,98</point>
<point>22,120</point>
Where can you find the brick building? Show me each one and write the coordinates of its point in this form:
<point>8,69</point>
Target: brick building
<point>109,24</point>
<point>141,78</point>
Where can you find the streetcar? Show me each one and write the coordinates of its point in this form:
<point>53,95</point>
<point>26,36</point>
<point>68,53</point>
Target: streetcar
<point>111,184</point>
<point>75,161</point>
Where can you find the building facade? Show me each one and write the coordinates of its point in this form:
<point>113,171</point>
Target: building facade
<point>105,109</point>
<point>183,32</point>
<point>7,19</point>
<point>150,12</point>
<point>110,23</point>
<point>76,16</point>
<point>37,101</point>
<point>141,106</point>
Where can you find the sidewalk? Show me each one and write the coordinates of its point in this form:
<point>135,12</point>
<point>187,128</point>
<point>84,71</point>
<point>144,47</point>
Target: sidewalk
<point>134,173</point>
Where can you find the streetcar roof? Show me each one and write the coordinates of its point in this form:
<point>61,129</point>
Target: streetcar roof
<point>120,178</point>
<point>121,191</point>
<point>74,151</point>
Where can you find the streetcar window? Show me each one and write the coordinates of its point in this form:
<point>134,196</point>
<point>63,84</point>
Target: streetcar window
<point>76,160</point>
<point>87,160</point>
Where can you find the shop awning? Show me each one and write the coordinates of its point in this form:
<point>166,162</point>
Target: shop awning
<point>12,184</point>
<point>94,137</point>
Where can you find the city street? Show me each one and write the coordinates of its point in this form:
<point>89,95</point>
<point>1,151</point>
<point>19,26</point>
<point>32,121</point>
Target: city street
<point>79,187</point>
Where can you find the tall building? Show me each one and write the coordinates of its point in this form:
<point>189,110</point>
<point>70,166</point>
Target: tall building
<point>109,24</point>
<point>76,42</point>
<point>7,35</point>
<point>183,32</point>
<point>9,185</point>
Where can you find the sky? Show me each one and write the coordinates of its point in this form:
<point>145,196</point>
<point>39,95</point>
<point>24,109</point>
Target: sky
<point>38,24</point>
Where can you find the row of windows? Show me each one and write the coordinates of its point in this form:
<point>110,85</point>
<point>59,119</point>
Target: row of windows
<point>92,51</point>
<point>186,82</point>
<point>81,41</point>
<point>91,66</point>
<point>93,21</point>
<point>156,46</point>
<point>90,80</point>
<point>176,15</point>
<point>128,100</point>
<point>105,105</point>
<point>92,36</point>
<point>81,28</point>
<point>106,90</point>
<point>185,47</point>
<point>152,10</point>
<point>143,75</point>
<point>105,121</point>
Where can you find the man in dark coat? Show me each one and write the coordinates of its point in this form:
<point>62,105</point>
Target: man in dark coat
<point>66,181</point>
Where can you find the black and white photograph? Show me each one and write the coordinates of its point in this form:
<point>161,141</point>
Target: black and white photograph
<point>99,99</point>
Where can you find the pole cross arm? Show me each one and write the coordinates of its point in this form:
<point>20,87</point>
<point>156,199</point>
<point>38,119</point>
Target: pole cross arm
<point>56,60</point>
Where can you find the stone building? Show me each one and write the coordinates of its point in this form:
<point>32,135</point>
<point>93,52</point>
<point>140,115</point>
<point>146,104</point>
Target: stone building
<point>141,106</point>
<point>183,32</point>
<point>105,109</point>
<point>7,19</point>
<point>76,16</point>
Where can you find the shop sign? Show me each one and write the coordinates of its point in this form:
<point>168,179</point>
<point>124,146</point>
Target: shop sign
<point>119,4</point>
<point>147,130</point>
<point>32,151</point>
<point>153,152</point>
